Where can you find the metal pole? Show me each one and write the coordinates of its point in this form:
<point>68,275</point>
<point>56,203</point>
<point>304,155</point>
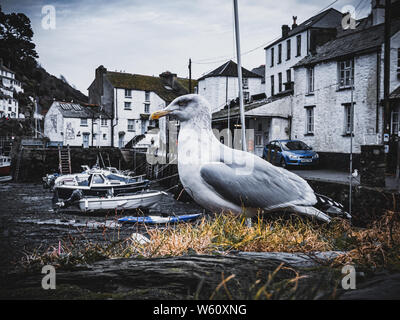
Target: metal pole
<point>351,142</point>
<point>190,75</point>
<point>239,68</point>
<point>229,121</point>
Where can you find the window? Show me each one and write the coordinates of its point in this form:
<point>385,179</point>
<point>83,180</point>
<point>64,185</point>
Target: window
<point>246,95</point>
<point>128,106</point>
<point>279,53</point>
<point>280,81</point>
<point>288,49</point>
<point>258,138</point>
<point>310,80</point>
<point>128,93</point>
<point>84,122</point>
<point>346,73</point>
<point>272,86</point>
<point>131,125</point>
<point>104,122</point>
<point>310,120</point>
<point>348,118</point>
<point>147,96</point>
<point>298,42</point>
<point>398,62</point>
<point>147,108</point>
<point>104,136</point>
<point>288,75</point>
<point>245,82</point>
<point>94,136</point>
<point>272,57</point>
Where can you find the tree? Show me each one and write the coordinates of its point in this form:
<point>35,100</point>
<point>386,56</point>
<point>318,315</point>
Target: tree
<point>16,47</point>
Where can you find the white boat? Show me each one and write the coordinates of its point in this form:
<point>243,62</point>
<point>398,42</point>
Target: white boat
<point>147,199</point>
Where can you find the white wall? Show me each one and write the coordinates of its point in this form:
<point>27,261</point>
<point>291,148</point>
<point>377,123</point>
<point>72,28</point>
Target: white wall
<point>285,64</point>
<point>329,115</point>
<point>214,90</point>
<point>137,107</point>
<point>70,131</point>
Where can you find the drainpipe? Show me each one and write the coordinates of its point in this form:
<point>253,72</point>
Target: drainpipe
<point>378,88</point>
<point>115,113</point>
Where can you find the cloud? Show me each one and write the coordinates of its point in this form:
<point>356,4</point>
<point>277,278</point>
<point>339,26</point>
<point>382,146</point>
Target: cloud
<point>149,37</point>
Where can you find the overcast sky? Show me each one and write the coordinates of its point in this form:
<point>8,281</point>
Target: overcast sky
<point>149,37</point>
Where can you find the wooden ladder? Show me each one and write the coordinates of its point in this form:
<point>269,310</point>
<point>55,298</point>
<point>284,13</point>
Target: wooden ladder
<point>64,156</point>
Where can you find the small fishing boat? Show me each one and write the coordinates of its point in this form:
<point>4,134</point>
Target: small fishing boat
<point>146,199</point>
<point>5,168</point>
<point>98,183</point>
<point>142,200</point>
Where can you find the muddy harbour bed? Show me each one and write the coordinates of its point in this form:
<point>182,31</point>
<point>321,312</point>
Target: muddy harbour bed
<point>28,224</point>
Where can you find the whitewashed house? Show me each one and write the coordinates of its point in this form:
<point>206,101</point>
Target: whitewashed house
<point>220,86</point>
<point>8,85</point>
<point>322,92</point>
<point>130,99</point>
<point>296,43</point>
<point>74,124</point>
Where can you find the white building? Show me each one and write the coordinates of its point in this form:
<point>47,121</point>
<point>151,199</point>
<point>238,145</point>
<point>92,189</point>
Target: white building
<point>77,124</point>
<point>296,43</point>
<point>322,95</point>
<point>130,99</point>
<point>220,86</point>
<point>8,85</point>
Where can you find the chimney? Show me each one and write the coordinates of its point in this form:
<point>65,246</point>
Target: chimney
<point>169,78</point>
<point>285,30</point>
<point>294,25</point>
<point>378,11</point>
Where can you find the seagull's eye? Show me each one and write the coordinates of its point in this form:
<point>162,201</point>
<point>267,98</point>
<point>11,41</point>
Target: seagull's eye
<point>182,103</point>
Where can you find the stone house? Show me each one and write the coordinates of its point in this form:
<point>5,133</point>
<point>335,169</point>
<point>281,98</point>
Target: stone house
<point>8,87</point>
<point>294,44</point>
<point>220,86</point>
<point>130,99</point>
<point>323,88</point>
<point>77,124</point>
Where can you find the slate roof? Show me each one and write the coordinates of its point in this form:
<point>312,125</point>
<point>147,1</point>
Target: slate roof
<point>304,25</point>
<point>149,83</point>
<point>78,110</point>
<point>395,93</point>
<point>229,69</point>
<point>363,41</point>
<point>235,111</point>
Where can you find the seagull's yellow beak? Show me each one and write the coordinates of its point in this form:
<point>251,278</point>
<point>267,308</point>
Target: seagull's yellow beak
<point>158,114</point>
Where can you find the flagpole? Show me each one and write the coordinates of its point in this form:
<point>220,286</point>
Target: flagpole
<point>239,68</point>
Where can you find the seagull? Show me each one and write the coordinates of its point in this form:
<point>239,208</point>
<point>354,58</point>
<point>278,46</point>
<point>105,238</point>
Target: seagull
<point>220,178</point>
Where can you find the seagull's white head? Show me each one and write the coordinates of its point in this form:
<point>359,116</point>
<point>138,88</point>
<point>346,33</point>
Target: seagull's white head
<point>190,107</point>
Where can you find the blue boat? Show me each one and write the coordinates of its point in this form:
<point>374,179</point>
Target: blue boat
<point>159,220</point>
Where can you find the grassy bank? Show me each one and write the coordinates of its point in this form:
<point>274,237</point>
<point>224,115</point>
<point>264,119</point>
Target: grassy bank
<point>371,248</point>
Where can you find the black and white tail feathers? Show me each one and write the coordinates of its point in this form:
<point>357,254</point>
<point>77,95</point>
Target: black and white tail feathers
<point>331,207</point>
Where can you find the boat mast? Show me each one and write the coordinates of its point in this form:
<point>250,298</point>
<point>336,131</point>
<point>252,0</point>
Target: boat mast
<point>239,68</point>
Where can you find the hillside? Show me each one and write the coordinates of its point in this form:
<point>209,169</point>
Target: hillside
<point>17,51</point>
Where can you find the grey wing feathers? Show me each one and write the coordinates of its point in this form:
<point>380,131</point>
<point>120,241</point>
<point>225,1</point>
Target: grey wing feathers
<point>266,186</point>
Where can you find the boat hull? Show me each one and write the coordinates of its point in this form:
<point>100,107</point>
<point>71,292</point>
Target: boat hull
<point>5,170</point>
<point>145,200</point>
<point>65,192</point>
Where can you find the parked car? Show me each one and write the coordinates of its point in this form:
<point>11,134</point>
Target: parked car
<point>290,153</point>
